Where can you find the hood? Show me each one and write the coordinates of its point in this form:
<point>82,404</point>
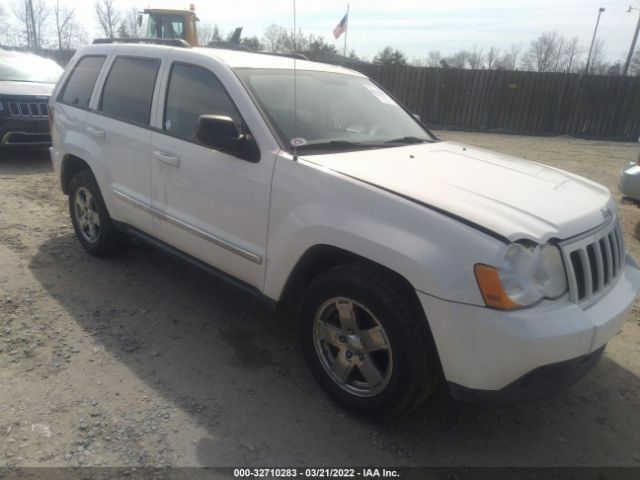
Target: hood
<point>26,88</point>
<point>510,196</point>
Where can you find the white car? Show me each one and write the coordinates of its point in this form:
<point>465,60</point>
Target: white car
<point>629,184</point>
<point>411,260</point>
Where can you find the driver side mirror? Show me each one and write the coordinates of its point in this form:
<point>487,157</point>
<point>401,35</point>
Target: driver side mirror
<point>221,133</point>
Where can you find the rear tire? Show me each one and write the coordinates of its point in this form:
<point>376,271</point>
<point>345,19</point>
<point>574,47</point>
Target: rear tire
<point>91,221</point>
<point>367,341</point>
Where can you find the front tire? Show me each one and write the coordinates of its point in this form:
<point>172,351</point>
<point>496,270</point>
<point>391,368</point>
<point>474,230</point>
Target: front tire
<point>367,342</point>
<point>91,221</point>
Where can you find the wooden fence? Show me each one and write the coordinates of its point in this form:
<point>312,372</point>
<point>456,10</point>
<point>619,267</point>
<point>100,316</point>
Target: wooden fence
<point>517,102</point>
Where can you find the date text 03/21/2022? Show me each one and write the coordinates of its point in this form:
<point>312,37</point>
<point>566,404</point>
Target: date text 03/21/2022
<point>315,473</point>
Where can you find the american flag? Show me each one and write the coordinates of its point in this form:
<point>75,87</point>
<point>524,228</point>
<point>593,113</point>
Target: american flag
<point>341,27</point>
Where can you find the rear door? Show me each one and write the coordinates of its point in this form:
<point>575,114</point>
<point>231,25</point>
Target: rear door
<point>119,124</point>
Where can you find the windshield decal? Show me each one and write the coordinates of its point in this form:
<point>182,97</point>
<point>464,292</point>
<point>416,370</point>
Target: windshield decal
<point>298,141</point>
<point>380,95</point>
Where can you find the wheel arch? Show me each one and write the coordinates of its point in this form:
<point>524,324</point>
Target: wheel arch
<point>71,164</point>
<point>322,257</point>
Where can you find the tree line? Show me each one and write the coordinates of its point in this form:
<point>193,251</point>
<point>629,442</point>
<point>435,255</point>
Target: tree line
<point>550,52</point>
<point>44,23</point>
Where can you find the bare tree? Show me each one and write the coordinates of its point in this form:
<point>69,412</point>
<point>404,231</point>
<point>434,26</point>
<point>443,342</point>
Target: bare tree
<point>476,58</point>
<point>571,54</point>
<point>208,33</point>
<point>509,61</point>
<point>635,64</point>
<point>131,22</point>
<point>434,59</point>
<point>614,70</point>
<point>493,56</point>
<point>33,15</point>
<point>252,43</point>
<point>598,64</point>
<point>283,40</point>
<point>542,52</point>
<point>64,19</point>
<point>458,59</point>
<point>559,53</point>
<point>8,33</point>
<point>4,27</point>
<point>108,17</point>
<point>271,37</point>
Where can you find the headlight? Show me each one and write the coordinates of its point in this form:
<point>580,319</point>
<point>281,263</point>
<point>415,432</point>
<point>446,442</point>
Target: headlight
<point>527,274</point>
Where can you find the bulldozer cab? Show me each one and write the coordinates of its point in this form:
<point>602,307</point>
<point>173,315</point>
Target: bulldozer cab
<point>160,23</point>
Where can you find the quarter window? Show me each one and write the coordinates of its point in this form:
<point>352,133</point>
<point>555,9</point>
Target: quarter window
<point>77,91</point>
<point>194,91</point>
<point>128,91</point>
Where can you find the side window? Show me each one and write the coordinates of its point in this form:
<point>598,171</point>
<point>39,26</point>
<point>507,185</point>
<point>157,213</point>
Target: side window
<point>128,91</point>
<point>194,91</point>
<point>77,91</point>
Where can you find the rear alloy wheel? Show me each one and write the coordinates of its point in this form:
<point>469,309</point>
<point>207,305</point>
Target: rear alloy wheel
<point>86,215</point>
<point>91,221</point>
<point>367,342</point>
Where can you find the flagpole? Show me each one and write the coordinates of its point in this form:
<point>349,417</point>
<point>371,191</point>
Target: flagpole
<point>346,32</point>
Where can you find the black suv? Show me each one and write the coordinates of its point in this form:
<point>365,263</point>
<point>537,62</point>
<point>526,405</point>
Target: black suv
<point>26,82</point>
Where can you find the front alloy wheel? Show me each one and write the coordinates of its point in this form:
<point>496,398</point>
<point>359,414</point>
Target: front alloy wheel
<point>353,347</point>
<point>367,342</point>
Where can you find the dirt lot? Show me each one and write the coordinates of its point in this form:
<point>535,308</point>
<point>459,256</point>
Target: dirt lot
<point>142,360</point>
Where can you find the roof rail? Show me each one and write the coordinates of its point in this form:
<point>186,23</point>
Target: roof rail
<point>298,56</point>
<point>172,42</point>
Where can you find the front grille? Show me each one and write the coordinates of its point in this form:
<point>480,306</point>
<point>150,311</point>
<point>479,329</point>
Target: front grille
<point>594,262</point>
<point>28,109</point>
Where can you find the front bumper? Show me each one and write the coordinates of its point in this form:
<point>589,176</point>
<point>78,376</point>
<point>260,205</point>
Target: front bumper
<point>485,351</point>
<point>535,385</point>
<point>17,132</point>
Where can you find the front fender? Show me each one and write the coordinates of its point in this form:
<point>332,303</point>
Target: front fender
<point>312,206</point>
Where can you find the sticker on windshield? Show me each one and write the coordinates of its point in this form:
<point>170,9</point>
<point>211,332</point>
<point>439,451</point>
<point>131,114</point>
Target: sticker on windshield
<point>298,141</point>
<point>380,95</point>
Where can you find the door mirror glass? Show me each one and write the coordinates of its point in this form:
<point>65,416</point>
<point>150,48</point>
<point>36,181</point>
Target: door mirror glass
<point>221,133</point>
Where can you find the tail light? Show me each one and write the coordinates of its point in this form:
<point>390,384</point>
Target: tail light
<point>51,112</point>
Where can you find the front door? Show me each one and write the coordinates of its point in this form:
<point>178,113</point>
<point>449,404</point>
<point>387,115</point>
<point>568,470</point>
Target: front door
<point>207,203</point>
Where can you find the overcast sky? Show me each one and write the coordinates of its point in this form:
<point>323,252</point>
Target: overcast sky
<point>414,26</point>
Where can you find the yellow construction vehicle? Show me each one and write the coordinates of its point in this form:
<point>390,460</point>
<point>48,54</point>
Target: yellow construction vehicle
<point>170,24</point>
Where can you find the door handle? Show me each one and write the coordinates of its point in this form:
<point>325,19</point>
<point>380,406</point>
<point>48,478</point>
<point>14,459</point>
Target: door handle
<point>167,158</point>
<point>94,132</point>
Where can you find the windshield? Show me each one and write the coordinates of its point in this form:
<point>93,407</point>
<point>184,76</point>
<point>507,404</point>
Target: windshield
<point>28,68</point>
<point>165,26</point>
<point>334,111</point>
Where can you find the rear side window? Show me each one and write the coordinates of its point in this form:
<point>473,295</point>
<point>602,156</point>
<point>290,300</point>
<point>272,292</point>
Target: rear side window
<point>194,91</point>
<point>77,91</point>
<point>128,91</point>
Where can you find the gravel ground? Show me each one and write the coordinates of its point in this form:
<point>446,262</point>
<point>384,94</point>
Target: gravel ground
<point>142,360</point>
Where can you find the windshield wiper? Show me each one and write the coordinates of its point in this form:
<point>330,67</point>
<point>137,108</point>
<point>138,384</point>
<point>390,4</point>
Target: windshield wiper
<point>336,145</point>
<point>408,140</point>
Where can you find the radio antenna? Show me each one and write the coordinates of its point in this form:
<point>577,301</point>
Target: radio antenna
<point>295,89</point>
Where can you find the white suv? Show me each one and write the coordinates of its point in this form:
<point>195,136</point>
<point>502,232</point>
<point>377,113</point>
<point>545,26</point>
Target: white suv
<point>411,260</point>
